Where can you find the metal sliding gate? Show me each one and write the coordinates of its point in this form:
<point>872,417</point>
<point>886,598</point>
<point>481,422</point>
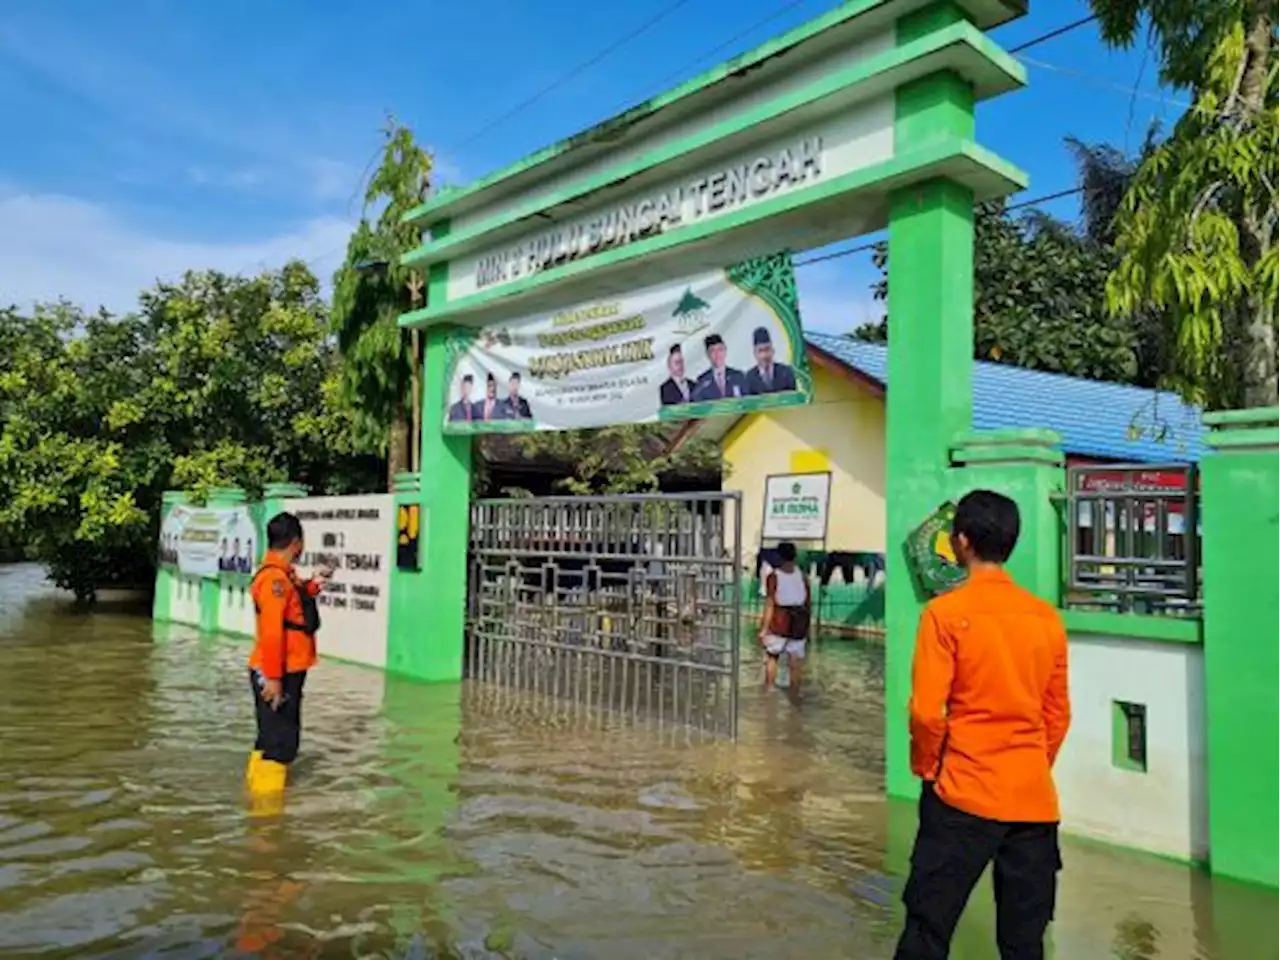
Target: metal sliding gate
<point>628,604</point>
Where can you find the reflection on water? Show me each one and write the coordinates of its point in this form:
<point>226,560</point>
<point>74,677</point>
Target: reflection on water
<point>445,822</point>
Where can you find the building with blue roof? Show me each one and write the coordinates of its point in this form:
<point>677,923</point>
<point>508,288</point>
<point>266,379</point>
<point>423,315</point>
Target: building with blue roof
<point>842,431</point>
<point>1105,421</point>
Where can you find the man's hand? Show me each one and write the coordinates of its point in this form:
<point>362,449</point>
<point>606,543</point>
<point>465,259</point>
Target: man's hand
<point>272,692</point>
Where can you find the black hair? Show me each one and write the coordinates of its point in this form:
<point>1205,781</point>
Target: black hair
<point>787,552</point>
<point>515,375</point>
<point>990,523</point>
<point>675,348</point>
<point>468,378</point>
<point>282,530</point>
<point>713,340</point>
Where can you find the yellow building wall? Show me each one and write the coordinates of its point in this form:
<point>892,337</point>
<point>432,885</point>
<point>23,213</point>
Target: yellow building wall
<point>841,431</point>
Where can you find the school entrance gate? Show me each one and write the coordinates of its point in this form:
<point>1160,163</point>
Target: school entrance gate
<point>624,604</point>
<point>640,272</point>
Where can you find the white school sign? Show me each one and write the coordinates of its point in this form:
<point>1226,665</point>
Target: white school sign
<point>353,535</point>
<point>796,506</point>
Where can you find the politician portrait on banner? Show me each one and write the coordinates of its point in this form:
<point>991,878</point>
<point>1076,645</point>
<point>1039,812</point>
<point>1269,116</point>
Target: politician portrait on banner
<point>726,341</point>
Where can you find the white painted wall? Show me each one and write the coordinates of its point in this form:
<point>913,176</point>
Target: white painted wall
<point>1165,809</point>
<point>184,599</point>
<point>235,610</point>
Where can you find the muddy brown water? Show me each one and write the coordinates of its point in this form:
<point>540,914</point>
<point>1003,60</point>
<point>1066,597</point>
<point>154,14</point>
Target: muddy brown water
<point>447,821</point>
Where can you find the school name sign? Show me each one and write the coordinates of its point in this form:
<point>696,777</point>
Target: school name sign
<point>717,191</point>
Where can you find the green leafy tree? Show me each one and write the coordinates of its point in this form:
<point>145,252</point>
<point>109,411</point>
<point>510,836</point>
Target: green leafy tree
<point>631,458</point>
<point>1196,233</point>
<point>1038,299</point>
<point>381,366</point>
<point>217,380</point>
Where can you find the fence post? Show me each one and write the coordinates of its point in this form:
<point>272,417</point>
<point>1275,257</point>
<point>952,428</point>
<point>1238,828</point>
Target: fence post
<point>1240,487</point>
<point>162,602</point>
<point>211,587</point>
<point>1026,465</point>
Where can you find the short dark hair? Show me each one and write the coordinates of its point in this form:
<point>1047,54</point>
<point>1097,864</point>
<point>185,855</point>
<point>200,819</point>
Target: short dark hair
<point>467,378</point>
<point>675,348</point>
<point>787,551</point>
<point>282,530</point>
<point>990,522</point>
<point>515,376</point>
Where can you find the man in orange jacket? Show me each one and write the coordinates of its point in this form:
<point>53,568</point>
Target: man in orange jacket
<point>989,712</point>
<point>284,650</point>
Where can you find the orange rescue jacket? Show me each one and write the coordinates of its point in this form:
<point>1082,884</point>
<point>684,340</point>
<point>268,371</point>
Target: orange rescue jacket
<point>279,649</point>
<point>989,704</point>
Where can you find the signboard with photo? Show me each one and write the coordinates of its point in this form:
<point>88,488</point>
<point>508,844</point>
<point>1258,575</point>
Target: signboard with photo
<point>208,541</point>
<point>796,506</point>
<point>353,535</point>
<point>722,342</point>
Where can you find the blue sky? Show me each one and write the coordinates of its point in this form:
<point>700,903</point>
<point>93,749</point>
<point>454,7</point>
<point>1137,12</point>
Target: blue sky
<point>145,137</point>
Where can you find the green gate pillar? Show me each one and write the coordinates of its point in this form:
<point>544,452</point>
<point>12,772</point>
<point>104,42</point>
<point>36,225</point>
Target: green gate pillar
<point>1026,465</point>
<point>427,621</point>
<point>1240,488</point>
<point>273,497</point>
<point>930,381</point>
<point>211,586</point>
<point>160,603</point>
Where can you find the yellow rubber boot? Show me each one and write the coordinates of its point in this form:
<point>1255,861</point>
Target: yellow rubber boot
<point>266,789</point>
<point>251,769</point>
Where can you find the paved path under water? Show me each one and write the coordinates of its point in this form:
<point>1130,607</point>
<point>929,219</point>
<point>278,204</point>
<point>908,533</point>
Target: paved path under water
<point>447,822</point>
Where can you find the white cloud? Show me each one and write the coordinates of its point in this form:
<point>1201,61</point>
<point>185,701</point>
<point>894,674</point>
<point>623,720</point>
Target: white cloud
<point>59,246</point>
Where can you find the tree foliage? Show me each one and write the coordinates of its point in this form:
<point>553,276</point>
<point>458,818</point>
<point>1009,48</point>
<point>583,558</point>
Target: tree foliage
<point>630,458</point>
<point>1196,233</point>
<point>370,293</point>
<point>216,380</point>
<point>1040,283</point>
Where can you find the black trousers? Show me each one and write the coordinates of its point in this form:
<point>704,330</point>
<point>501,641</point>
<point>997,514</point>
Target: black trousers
<point>279,729</point>
<point>952,849</point>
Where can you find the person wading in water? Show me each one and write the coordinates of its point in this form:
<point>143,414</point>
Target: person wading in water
<point>784,625</point>
<point>283,651</point>
<point>989,711</point>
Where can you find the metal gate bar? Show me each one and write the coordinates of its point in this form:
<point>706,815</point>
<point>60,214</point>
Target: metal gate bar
<point>622,604</point>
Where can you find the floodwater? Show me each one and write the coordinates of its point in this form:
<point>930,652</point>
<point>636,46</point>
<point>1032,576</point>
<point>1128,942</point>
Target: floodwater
<point>452,822</point>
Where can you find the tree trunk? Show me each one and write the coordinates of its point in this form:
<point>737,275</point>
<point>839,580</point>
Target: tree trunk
<point>397,449</point>
<point>1261,387</point>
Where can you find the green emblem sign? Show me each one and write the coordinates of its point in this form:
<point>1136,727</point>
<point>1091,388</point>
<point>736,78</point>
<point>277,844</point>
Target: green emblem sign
<point>929,549</point>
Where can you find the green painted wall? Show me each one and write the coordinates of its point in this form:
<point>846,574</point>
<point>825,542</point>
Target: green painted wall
<point>930,365</point>
<point>1240,492</point>
<point>427,619</point>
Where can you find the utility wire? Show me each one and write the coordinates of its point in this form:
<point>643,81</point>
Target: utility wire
<point>769,18</point>
<point>871,245</point>
<point>575,72</point>
<point>1052,34</point>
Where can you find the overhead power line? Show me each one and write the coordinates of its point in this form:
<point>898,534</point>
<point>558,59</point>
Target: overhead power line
<point>764,21</point>
<point>871,245</point>
<point>575,72</point>
<point>1052,34</point>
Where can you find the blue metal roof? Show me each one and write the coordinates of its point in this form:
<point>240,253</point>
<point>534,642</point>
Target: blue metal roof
<point>1110,421</point>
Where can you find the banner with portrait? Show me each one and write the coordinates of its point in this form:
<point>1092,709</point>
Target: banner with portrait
<point>208,541</point>
<point>721,342</point>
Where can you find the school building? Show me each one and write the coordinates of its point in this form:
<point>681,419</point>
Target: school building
<point>843,431</point>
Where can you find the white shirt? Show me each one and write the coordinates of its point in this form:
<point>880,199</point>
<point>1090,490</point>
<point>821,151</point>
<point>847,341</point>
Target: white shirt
<point>791,588</point>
